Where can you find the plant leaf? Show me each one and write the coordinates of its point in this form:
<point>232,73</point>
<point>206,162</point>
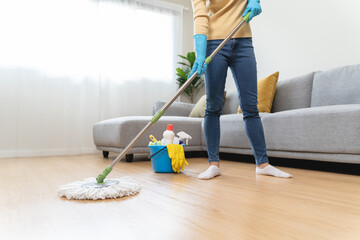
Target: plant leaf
<point>191,58</point>
<point>184,73</point>
<point>187,70</point>
<point>197,85</point>
<point>183,57</point>
<point>185,64</point>
<point>181,73</point>
<point>180,81</point>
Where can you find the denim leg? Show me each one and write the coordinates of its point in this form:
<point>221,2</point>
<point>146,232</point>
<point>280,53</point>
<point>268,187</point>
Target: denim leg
<point>243,67</point>
<point>215,76</point>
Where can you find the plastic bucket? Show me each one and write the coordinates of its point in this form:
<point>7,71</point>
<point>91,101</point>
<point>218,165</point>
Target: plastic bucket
<point>161,163</point>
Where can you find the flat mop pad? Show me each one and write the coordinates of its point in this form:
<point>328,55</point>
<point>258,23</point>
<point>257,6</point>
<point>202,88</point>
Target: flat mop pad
<point>90,189</point>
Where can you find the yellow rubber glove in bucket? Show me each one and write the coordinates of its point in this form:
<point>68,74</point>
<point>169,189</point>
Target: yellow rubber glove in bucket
<point>177,155</point>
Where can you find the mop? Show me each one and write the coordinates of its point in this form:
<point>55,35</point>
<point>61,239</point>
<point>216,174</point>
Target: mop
<point>92,190</point>
<point>100,188</point>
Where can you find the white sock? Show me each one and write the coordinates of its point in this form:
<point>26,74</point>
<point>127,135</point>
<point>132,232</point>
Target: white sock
<point>273,171</point>
<point>211,172</point>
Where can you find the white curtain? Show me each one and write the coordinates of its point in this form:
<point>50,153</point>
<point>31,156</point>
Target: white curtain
<point>66,64</point>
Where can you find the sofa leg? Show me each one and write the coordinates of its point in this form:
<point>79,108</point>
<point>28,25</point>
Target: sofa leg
<point>105,154</point>
<point>129,157</point>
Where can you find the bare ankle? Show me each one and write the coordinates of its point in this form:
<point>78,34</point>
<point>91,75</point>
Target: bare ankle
<point>215,163</point>
<point>263,165</point>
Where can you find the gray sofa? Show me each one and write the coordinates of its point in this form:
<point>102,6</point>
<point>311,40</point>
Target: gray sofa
<point>315,116</point>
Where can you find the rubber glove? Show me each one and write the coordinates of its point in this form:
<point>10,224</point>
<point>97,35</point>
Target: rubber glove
<point>176,153</point>
<point>173,155</point>
<point>254,7</point>
<point>173,150</point>
<point>181,157</point>
<point>200,51</point>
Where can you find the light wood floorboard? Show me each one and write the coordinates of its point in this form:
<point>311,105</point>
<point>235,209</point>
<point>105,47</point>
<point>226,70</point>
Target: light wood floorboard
<point>236,205</point>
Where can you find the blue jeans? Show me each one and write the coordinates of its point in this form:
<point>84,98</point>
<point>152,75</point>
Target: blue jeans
<point>238,54</point>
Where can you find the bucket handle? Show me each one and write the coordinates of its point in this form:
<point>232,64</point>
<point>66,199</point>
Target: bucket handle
<point>157,152</point>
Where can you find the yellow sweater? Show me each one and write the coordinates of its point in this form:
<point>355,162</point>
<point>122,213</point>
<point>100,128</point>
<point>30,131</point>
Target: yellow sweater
<point>217,18</point>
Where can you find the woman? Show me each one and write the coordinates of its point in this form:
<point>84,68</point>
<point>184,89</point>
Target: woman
<point>213,21</point>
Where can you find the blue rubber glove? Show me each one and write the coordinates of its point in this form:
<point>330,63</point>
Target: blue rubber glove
<point>200,51</point>
<point>254,7</point>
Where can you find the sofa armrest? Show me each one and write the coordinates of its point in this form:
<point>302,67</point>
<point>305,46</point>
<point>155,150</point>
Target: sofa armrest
<point>176,109</point>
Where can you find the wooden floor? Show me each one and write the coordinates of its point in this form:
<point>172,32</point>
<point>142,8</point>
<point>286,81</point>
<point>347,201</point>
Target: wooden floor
<point>236,205</point>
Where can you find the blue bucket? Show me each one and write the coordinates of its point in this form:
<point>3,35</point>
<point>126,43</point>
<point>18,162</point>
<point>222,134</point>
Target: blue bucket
<point>160,162</point>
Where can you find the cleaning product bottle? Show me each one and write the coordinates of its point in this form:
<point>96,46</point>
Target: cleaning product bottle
<point>168,135</point>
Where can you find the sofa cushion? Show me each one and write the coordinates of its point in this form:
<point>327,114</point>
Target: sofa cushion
<point>293,93</point>
<point>328,129</point>
<point>118,132</point>
<point>336,86</point>
<point>199,108</point>
<point>231,102</point>
<point>232,132</point>
<point>175,109</point>
<point>266,91</point>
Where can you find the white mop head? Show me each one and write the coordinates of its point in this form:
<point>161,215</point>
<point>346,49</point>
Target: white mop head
<point>75,190</point>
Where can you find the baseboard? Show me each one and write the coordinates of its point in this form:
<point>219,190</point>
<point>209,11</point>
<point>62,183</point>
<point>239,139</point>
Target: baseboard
<point>47,152</point>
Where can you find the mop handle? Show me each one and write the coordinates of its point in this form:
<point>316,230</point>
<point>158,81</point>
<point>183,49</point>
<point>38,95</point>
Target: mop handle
<point>157,116</point>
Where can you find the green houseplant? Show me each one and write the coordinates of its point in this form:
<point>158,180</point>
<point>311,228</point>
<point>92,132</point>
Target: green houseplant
<point>183,73</point>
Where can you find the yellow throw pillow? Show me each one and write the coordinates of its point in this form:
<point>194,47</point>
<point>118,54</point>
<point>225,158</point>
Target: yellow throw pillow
<point>266,92</point>
<point>199,108</point>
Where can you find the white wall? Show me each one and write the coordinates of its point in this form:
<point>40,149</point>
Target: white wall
<point>188,29</point>
<point>297,37</point>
